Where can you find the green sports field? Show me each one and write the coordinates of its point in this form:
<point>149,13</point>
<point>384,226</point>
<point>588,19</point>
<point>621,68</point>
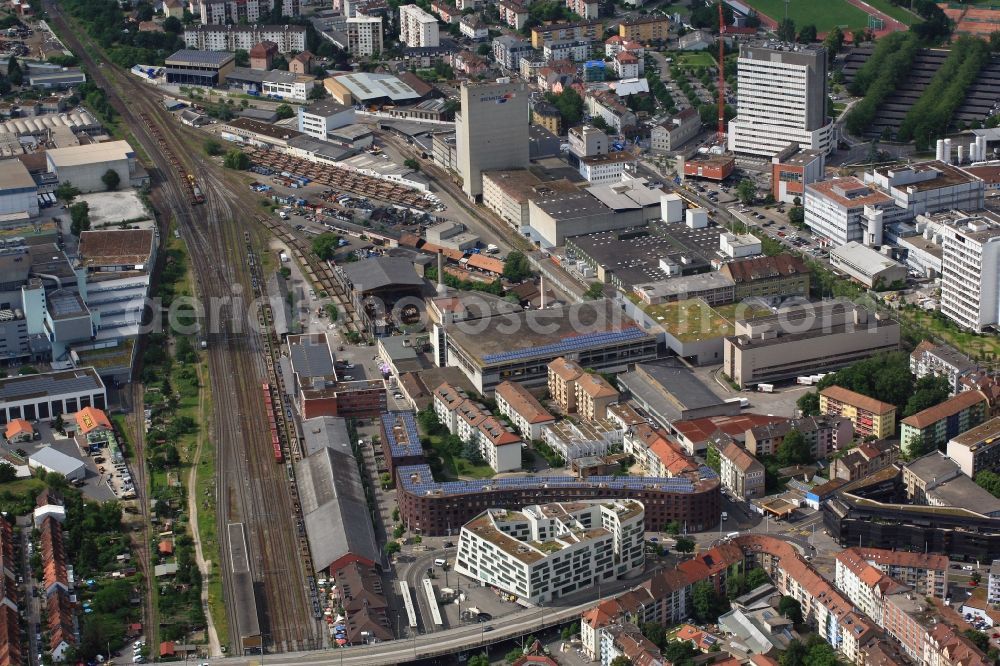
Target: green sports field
<point>824,15</point>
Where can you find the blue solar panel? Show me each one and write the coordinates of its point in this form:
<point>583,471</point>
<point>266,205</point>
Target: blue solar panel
<point>406,449</point>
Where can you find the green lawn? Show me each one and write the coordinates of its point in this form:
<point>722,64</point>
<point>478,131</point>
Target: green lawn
<point>979,347</point>
<point>696,59</point>
<point>824,15</point>
<point>456,466</point>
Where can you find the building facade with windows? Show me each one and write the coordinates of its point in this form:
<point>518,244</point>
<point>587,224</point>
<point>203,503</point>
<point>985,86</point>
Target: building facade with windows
<point>545,552</point>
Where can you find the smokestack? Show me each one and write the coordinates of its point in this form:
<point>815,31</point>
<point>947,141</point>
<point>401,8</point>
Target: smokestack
<point>440,286</point>
<point>541,290</point>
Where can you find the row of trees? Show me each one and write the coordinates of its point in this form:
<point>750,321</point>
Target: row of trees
<point>879,77</point>
<point>929,118</point>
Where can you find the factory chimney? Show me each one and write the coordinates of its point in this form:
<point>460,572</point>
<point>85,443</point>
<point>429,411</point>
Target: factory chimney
<point>441,289</point>
<point>541,290</point>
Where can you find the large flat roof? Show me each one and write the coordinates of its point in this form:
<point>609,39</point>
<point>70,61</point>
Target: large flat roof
<point>669,385</point>
<point>14,176</point>
<point>546,333</point>
<point>863,258</point>
<point>367,86</point>
<point>90,154</point>
<point>116,246</point>
<point>50,384</point>
<point>196,57</point>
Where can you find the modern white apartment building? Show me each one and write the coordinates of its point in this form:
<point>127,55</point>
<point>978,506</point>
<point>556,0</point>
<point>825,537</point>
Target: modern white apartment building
<point>863,584</point>
<point>214,37</point>
<point>364,35</point>
<point>580,440</point>
<point>547,551</point>
<point>417,28</point>
<point>929,358</point>
<point>781,99</point>
<point>842,210</point>
<point>970,271</point>
<point>491,131</point>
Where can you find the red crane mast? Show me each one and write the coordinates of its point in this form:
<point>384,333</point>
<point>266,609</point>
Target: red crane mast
<point>722,77</point>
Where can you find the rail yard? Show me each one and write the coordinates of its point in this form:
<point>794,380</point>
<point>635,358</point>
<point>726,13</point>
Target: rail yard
<point>253,489</point>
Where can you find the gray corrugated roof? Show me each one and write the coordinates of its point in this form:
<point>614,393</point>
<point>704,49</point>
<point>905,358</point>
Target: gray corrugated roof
<point>326,431</point>
<point>337,518</point>
<point>56,460</point>
<point>196,57</point>
<point>311,360</point>
<point>380,272</point>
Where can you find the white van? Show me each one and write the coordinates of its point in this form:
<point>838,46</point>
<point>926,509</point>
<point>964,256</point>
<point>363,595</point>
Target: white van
<point>725,516</point>
<point>440,562</point>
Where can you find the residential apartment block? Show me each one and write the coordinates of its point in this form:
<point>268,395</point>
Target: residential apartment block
<point>740,472</point>
<point>825,434</point>
<point>970,263</point>
<point>644,29</point>
<point>364,35</point>
<point>593,396</point>
<point>472,423</point>
<point>929,358</point>
<point>244,37</point>
<point>244,12</point>
<point>585,8</point>
<point>937,480</point>
<point>672,133</point>
<point>605,169</point>
<point>508,51</point>
<point>931,428</point>
<point>545,552</point>
<point>563,374</point>
<point>418,28</point>
<point>865,459</point>
<point>571,441</point>
<point>523,409</point>
<point>771,278</point>
<point>926,573</point>
<point>869,416</point>
<point>977,449</point>
<point>805,340</point>
<point>556,32</point>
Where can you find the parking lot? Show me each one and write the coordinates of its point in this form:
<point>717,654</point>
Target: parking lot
<point>95,483</point>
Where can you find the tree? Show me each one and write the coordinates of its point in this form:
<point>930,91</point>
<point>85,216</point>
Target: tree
<point>808,403</point>
<point>746,191</point>
<point>712,458</point>
<point>516,267</point>
<point>797,215</point>
<point>324,245</point>
<point>794,655</point>
<point>594,291</point>
<point>14,73</point>
<point>479,660</point>
<point>7,472</point>
<point>79,215</point>
<point>794,450</point>
<point>680,653</point>
<point>513,655</point>
<point>111,180</point>
<point>570,105</point>
<point>213,148</point>
<point>927,392</point>
<point>173,24</point>
<point>331,311</point>
<point>483,50</point>
<point>620,660</point>
<point>756,578</point>
<point>807,34</point>
<point>284,111</point>
<point>834,40</point>
<point>391,548</point>
<point>736,585</point>
<point>236,159</point>
<point>65,192</point>
<point>706,603</point>
<point>989,481</point>
<point>981,640</point>
<point>786,30</point>
<point>655,632</point>
<point>242,58</point>
<point>279,62</point>
<point>673,527</point>
<point>317,92</point>
<point>684,545</point>
<point>411,164</point>
<point>858,36</point>
<point>789,607</point>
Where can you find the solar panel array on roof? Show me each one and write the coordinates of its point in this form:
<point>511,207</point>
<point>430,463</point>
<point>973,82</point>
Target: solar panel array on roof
<point>417,480</point>
<point>407,446</point>
<point>569,344</point>
<point>53,383</point>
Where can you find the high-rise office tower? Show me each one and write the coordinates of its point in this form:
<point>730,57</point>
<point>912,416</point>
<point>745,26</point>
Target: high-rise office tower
<point>491,131</point>
<point>781,99</point>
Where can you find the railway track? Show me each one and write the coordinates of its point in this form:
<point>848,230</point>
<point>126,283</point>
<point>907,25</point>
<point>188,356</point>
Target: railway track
<point>252,488</point>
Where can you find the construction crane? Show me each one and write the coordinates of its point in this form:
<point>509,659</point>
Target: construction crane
<point>722,78</point>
